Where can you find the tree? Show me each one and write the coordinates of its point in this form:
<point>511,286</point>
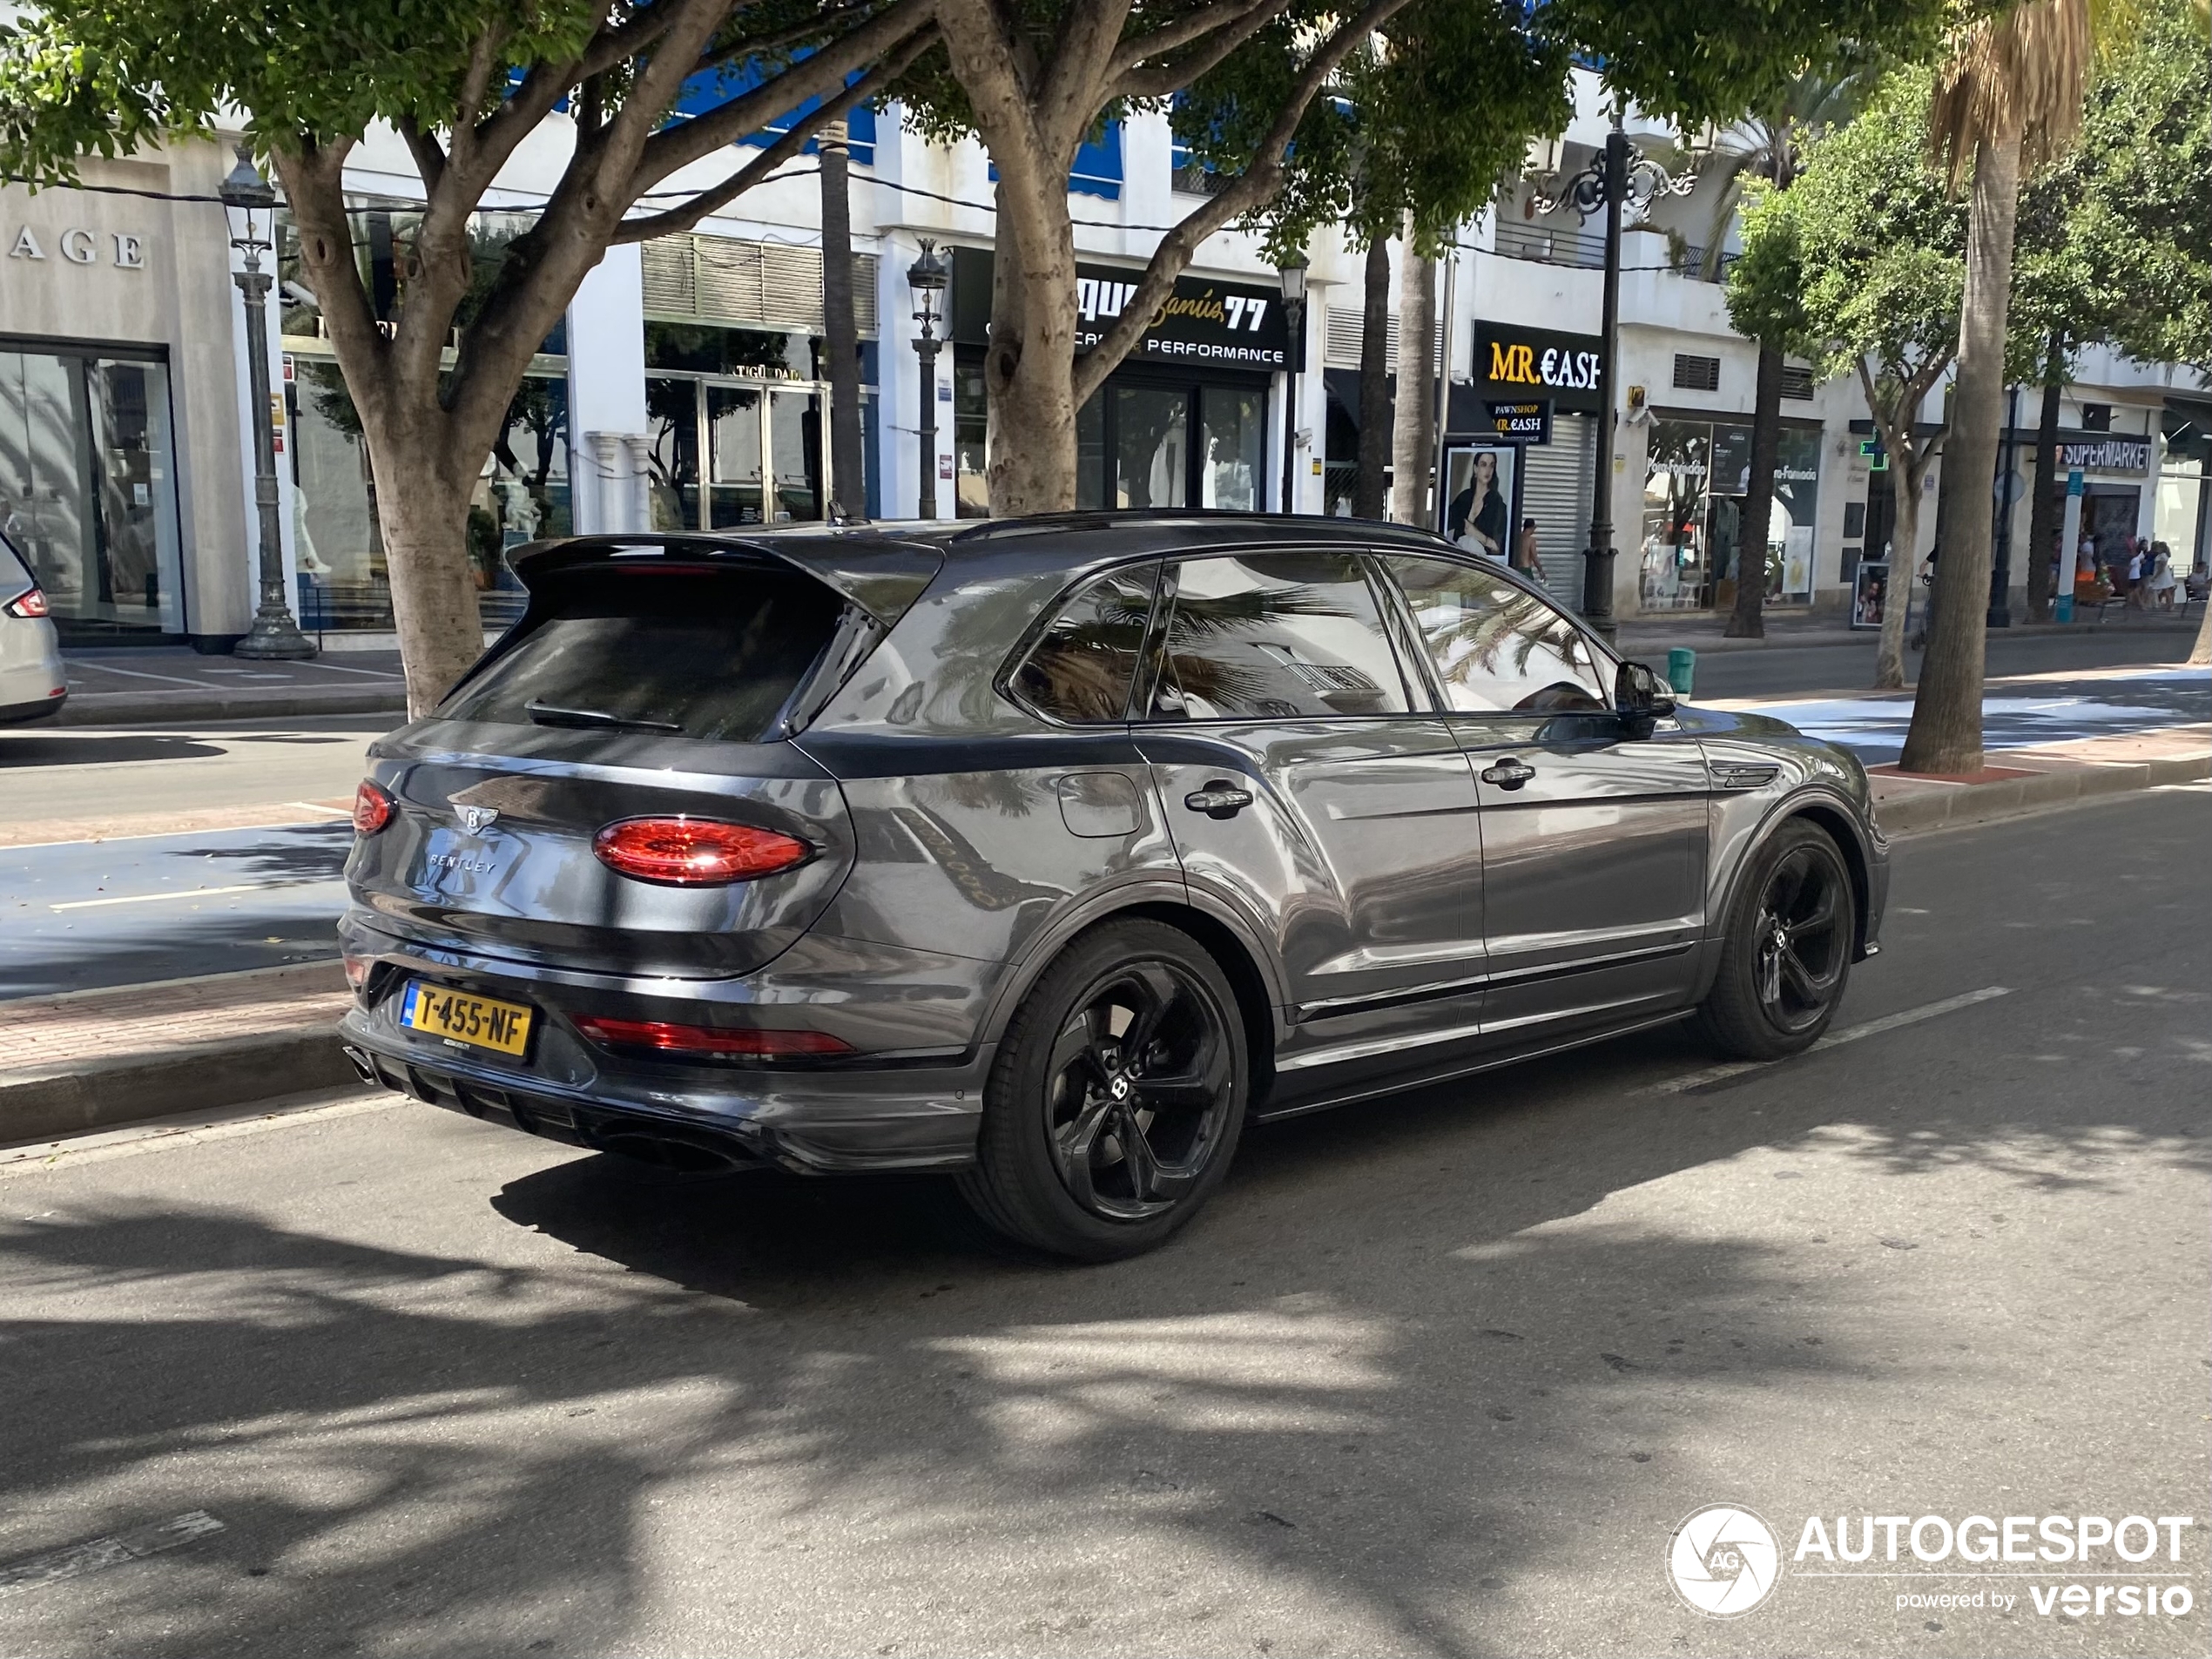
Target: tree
<point>1412,439</point>
<point>1767,146</point>
<point>1369,492</point>
<point>465,86</point>
<point>1860,266</point>
<point>1032,78</point>
<point>2007,95</point>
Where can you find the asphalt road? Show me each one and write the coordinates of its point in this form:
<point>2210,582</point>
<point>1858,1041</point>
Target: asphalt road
<point>1435,1376</point>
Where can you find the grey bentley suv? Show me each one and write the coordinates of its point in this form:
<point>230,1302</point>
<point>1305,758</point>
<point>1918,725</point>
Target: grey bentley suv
<point>1046,853</point>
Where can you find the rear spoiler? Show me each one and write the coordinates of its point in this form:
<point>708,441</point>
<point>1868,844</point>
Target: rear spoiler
<point>882,575</point>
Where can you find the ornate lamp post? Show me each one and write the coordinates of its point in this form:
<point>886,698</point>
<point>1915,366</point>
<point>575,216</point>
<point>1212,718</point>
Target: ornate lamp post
<point>1293,274</point>
<point>1622,175</point>
<point>929,277</point>
<point>274,634</point>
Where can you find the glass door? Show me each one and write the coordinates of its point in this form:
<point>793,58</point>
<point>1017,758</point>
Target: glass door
<point>672,463</point>
<point>795,451</point>
<point>734,455</point>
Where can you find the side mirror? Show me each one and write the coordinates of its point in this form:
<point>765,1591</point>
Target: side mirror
<point>1640,698</point>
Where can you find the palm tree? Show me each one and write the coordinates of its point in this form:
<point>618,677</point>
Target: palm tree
<point>2009,93</point>
<point>1767,146</point>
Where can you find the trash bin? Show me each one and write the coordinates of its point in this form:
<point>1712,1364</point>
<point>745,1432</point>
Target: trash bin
<point>1681,670</point>
<point>2062,608</point>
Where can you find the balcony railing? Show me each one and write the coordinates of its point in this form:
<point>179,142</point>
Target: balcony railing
<point>1552,245</point>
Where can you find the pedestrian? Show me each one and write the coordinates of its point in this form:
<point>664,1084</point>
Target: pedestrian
<point>1524,549</point>
<point>1919,639</point>
<point>2134,560</point>
<point>2160,581</point>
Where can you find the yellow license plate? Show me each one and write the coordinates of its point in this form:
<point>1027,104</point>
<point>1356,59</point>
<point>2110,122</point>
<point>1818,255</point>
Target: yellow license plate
<point>477,1020</point>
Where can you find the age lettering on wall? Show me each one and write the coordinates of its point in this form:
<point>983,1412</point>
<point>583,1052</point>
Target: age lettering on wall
<point>124,250</point>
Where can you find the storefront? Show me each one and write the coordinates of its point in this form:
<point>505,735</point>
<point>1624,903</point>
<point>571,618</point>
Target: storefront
<point>1697,476</point>
<point>1181,423</point>
<point>116,396</point>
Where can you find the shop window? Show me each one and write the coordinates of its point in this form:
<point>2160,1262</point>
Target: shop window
<point>88,488</point>
<point>971,434</point>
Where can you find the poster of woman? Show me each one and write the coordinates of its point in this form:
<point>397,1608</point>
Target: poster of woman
<point>1478,514</point>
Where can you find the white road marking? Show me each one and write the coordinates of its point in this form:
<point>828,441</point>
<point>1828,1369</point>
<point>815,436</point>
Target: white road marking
<point>1834,1039</point>
<point>140,674</point>
<point>195,893</point>
<point>78,1559</point>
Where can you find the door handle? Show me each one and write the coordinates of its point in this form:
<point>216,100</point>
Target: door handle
<point>1219,799</point>
<point>1509,773</point>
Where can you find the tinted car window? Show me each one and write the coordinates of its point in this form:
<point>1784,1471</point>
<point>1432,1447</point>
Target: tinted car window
<point>712,654</point>
<point>15,575</point>
<point>1276,635</point>
<point>1498,648</point>
<point>1080,670</point>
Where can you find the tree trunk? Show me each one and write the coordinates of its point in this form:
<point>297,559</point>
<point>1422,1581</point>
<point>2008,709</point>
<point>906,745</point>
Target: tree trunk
<point>1945,734</point>
<point>1370,490</point>
<point>2201,653</point>
<point>1905,474</point>
<point>1029,366</point>
<point>1749,619</point>
<point>425,550</point>
<point>840,335</point>
<point>1413,433</point>
<point>2043,518</point>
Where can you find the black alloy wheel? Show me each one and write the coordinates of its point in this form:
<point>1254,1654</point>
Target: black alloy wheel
<point>1786,954</point>
<point>1138,1087</point>
<point>1803,952</point>
<point>1118,1098</point>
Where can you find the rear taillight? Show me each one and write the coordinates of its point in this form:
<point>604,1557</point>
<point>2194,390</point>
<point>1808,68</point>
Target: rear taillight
<point>356,971</point>
<point>372,807</point>
<point>696,851</point>
<point>662,1038</point>
<point>27,605</point>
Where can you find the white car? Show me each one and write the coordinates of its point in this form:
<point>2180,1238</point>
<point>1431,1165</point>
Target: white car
<point>32,685</point>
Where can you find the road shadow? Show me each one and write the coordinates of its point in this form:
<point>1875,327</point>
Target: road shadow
<point>77,748</point>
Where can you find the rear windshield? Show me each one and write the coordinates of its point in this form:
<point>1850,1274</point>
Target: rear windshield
<point>15,575</point>
<point>695,654</point>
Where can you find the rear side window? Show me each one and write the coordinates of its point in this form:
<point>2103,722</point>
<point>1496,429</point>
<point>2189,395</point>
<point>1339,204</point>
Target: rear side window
<point>1081,668</point>
<point>1275,636</point>
<point>685,653</point>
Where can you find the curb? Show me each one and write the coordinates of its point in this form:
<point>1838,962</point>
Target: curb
<point>145,708</point>
<point>1959,805</point>
<point>102,1093</point>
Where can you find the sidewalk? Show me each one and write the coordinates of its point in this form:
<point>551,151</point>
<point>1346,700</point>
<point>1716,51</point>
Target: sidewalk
<point>91,1059</point>
<point>118,686</point>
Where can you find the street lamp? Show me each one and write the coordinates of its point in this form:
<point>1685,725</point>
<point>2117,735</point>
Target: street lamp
<point>928,277</point>
<point>1622,175</point>
<point>274,635</point>
<point>1292,271</point>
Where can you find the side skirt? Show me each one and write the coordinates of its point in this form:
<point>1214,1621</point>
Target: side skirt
<point>1376,1089</point>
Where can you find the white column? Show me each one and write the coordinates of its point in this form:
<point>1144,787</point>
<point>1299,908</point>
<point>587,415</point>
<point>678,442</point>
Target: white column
<point>608,435</point>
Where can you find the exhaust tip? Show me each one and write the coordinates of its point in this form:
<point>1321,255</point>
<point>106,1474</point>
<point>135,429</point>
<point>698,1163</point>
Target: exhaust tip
<point>675,1154</point>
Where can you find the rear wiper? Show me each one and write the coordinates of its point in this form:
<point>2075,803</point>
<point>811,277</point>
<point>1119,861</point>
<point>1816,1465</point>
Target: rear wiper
<point>547,714</point>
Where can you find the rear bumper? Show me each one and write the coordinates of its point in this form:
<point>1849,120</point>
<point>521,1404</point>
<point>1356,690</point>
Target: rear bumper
<point>821,1131</point>
<point>24,713</point>
<point>919,1109</point>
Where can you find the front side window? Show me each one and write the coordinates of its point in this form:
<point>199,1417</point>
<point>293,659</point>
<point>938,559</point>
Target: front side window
<point>1080,669</point>
<point>1498,648</point>
<point>1276,635</point>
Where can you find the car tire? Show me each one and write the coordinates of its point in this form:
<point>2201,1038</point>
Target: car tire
<point>1786,953</point>
<point>1116,1099</point>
